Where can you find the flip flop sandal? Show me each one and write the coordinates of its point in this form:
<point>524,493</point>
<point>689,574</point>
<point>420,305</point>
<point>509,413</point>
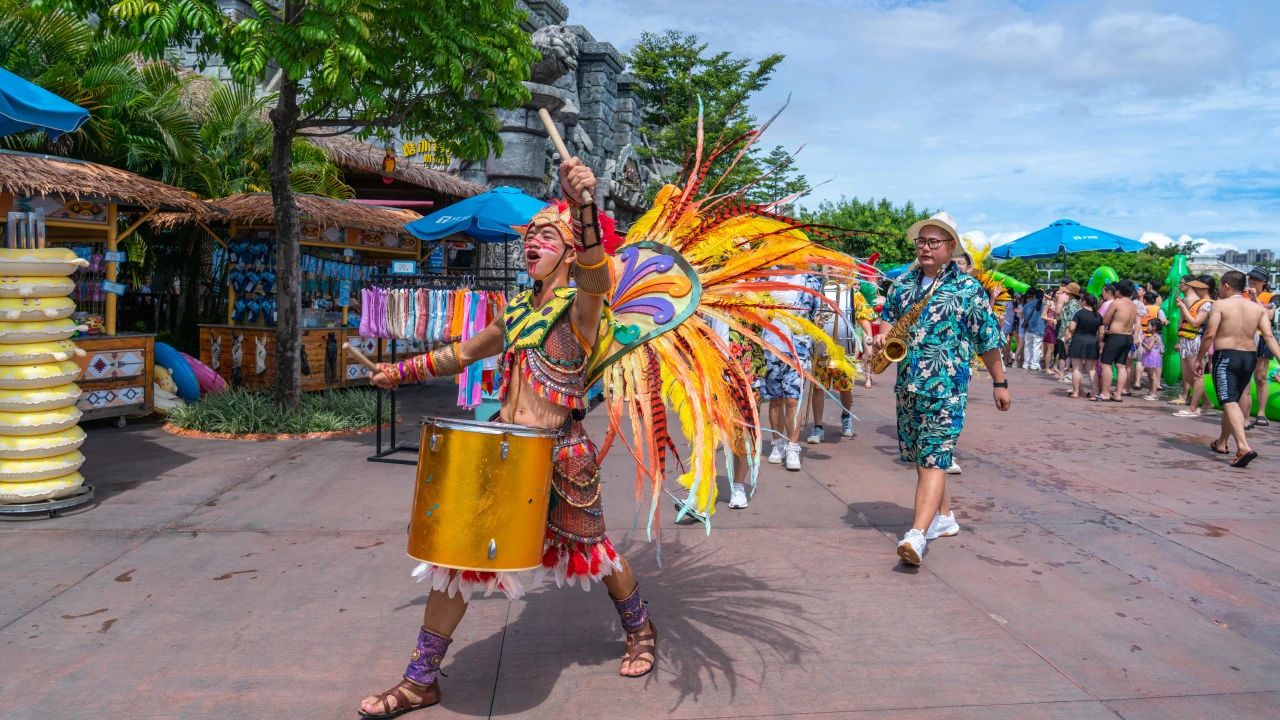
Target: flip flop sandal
<point>1244,460</point>
<point>1251,425</point>
<point>241,309</point>
<point>1262,422</point>
<point>1096,398</point>
<point>1116,400</point>
<point>251,280</point>
<point>1214,447</point>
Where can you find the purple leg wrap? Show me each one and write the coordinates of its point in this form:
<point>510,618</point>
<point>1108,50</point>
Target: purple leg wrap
<point>424,663</point>
<point>633,611</point>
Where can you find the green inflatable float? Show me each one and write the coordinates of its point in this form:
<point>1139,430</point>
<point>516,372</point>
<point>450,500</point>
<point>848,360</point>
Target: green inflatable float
<point>1103,276</point>
<point>1273,398</point>
<point>1172,363</point>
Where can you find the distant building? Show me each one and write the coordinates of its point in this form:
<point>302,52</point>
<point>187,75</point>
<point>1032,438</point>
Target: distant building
<point>1247,257</point>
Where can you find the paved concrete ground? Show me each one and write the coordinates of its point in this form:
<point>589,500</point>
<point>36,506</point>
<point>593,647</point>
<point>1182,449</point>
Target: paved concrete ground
<point>1108,567</point>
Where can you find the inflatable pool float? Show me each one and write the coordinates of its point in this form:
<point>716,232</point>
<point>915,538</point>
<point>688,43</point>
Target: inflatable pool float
<point>210,382</point>
<point>39,353</point>
<point>33,332</point>
<point>164,380</point>
<point>21,401</point>
<point>20,309</point>
<point>42,262</point>
<point>39,422</point>
<point>165,401</point>
<point>46,468</point>
<point>42,287</point>
<point>38,446</point>
<point>183,376</point>
<point>1273,396</point>
<point>44,375</point>
<point>25,492</point>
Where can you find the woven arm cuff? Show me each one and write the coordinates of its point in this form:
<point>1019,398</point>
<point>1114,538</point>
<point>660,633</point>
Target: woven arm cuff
<point>593,279</point>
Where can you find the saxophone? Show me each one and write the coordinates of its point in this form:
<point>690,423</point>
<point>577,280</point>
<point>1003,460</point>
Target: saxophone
<point>895,341</point>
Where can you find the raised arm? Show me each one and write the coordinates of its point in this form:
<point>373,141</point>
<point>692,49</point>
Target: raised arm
<point>591,264</point>
<point>443,361</point>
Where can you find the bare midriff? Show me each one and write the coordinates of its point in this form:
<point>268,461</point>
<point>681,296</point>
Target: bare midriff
<point>525,407</point>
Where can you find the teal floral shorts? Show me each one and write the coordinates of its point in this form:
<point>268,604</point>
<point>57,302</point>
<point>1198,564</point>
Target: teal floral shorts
<point>928,428</point>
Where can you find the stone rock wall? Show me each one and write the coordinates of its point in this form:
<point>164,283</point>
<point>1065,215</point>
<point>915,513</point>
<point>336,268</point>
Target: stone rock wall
<point>581,82</point>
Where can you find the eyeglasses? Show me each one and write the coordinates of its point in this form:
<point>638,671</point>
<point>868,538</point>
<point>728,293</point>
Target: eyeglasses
<point>928,242</point>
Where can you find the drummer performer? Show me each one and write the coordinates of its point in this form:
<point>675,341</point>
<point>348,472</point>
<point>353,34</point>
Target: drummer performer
<point>545,338</point>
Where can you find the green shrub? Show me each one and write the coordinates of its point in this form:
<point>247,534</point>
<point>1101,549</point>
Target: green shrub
<point>241,412</point>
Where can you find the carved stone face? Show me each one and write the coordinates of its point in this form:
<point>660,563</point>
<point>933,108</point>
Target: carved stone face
<point>559,48</point>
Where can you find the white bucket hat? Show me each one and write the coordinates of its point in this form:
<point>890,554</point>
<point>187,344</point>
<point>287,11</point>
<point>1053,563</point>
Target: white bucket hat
<point>940,220</point>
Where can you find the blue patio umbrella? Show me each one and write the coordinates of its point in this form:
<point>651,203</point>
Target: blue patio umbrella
<point>487,217</point>
<point>1065,235</point>
<point>27,106</point>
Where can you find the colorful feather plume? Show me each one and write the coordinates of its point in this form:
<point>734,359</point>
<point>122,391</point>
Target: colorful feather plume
<point>686,263</point>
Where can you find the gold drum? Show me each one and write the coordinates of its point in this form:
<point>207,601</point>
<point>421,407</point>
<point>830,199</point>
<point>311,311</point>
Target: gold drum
<point>480,498</point>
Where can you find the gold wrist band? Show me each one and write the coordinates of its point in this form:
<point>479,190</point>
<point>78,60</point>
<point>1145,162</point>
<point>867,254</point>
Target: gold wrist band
<point>445,360</point>
<point>593,279</point>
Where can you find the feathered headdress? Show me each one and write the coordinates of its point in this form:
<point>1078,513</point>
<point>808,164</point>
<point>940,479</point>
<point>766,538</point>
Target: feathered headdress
<point>687,262</point>
<point>557,214</point>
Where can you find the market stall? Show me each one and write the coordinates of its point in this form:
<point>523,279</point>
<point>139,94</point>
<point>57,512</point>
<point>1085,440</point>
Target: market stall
<point>345,245</point>
<point>91,209</point>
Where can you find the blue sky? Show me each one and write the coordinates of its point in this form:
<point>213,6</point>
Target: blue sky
<point>1151,119</point>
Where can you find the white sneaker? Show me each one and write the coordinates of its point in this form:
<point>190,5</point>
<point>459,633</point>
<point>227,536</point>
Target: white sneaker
<point>911,548</point>
<point>816,435</point>
<point>775,455</point>
<point>738,498</point>
<point>846,426</point>
<point>942,526</point>
<point>793,456</point>
<point>954,469</point>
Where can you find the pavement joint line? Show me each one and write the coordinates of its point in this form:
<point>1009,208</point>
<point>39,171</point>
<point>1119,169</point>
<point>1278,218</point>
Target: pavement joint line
<point>497,671</point>
<point>141,541</point>
<point>859,711</point>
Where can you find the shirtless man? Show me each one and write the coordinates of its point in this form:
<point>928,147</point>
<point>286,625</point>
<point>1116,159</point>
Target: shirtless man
<point>1117,340</point>
<point>1234,322</point>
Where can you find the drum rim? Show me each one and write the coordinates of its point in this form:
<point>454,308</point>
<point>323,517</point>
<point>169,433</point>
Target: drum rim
<point>491,428</point>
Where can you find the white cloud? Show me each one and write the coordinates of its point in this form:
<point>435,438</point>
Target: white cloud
<point>1207,246</point>
<point>1123,115</point>
<point>981,239</point>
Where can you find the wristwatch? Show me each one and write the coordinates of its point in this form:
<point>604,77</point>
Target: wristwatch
<point>1002,384</point>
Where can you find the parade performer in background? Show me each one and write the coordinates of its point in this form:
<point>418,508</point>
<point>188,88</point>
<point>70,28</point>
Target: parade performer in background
<point>639,322</point>
<point>944,318</point>
<point>852,329</point>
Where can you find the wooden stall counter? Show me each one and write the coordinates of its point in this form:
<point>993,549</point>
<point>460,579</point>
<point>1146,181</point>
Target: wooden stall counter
<point>246,356</point>
<point>118,376</point>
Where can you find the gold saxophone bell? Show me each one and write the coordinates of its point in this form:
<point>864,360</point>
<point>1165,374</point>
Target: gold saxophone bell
<point>895,350</point>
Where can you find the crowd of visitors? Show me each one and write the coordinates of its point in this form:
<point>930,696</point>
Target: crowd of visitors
<point>1112,346</point>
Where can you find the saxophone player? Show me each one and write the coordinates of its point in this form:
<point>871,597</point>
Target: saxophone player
<point>933,378</point>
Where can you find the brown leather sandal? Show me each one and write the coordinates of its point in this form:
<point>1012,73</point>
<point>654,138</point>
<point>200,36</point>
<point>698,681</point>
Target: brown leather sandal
<point>642,646</point>
<point>405,697</point>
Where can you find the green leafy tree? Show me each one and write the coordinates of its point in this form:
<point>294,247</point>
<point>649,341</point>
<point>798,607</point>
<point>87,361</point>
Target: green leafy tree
<point>432,67</point>
<point>781,180</point>
<point>881,224</point>
<point>678,74</point>
<point>138,119</point>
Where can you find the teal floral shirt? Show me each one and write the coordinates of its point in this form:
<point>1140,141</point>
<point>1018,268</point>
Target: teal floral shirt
<point>957,324</point>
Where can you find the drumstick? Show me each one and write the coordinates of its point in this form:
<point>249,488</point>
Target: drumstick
<point>560,147</point>
<point>360,358</point>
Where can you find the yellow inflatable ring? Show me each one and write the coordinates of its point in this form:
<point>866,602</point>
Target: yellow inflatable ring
<point>20,287</point>
<point>39,353</point>
<point>33,308</point>
<point>18,401</point>
<point>40,422</point>
<point>25,377</point>
<point>47,468</point>
<point>45,262</point>
<point>38,446</point>
<point>26,492</point>
<point>33,332</point>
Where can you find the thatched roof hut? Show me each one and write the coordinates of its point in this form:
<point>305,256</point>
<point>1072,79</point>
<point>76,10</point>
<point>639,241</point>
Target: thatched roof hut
<point>259,209</point>
<point>351,154</point>
<point>50,175</point>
